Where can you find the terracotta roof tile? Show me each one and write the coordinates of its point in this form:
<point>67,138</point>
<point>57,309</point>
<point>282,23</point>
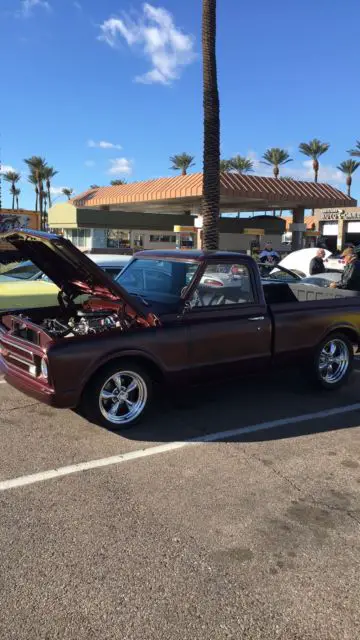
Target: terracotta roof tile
<point>240,188</point>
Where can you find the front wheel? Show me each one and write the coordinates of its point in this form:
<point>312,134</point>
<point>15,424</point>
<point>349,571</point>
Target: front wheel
<point>118,396</point>
<point>334,361</point>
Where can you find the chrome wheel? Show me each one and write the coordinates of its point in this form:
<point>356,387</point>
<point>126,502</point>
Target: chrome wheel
<point>123,397</point>
<point>334,361</point>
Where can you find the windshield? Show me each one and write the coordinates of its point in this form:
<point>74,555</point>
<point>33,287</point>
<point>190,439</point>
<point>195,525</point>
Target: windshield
<point>161,280</point>
<point>280,273</point>
<point>23,271</point>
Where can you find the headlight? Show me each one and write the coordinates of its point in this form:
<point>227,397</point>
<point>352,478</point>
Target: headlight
<point>44,368</point>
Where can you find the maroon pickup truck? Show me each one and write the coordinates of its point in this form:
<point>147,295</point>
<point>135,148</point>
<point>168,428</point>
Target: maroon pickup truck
<point>171,318</point>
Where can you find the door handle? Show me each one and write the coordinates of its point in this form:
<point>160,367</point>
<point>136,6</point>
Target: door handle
<point>256,318</point>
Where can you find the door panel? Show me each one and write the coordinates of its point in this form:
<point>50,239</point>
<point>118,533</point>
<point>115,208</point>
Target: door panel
<point>236,340</point>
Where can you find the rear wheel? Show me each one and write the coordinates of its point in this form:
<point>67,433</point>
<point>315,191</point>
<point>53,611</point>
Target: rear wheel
<point>334,361</point>
<point>119,395</point>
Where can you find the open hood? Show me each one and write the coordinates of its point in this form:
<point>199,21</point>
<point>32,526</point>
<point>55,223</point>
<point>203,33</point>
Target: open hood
<point>70,269</point>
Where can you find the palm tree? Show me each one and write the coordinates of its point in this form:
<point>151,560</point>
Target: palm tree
<point>16,192</point>
<point>13,177</point>
<point>210,205</point>
<point>275,157</point>
<point>314,149</point>
<point>94,186</point>
<point>67,192</point>
<point>348,167</point>
<point>49,173</point>
<point>33,180</point>
<point>37,166</point>
<point>355,153</point>
<point>225,165</point>
<point>117,182</point>
<point>182,162</point>
<point>239,164</point>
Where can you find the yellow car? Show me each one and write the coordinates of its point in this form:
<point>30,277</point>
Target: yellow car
<point>26,287</point>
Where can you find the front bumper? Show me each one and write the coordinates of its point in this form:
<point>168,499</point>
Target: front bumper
<point>35,388</point>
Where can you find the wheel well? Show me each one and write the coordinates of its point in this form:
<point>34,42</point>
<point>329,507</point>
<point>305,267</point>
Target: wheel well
<point>351,334</point>
<point>152,369</point>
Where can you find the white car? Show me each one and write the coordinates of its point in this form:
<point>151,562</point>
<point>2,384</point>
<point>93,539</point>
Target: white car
<point>299,261</point>
<point>27,271</point>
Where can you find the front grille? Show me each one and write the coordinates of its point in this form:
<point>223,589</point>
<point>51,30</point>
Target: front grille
<point>19,357</point>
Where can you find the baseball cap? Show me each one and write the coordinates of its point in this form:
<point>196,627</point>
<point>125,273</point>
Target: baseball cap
<point>348,252</point>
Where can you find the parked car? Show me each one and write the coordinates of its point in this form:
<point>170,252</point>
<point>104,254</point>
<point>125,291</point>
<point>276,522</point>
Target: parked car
<point>25,285</point>
<point>106,354</point>
<point>300,260</point>
<point>281,274</point>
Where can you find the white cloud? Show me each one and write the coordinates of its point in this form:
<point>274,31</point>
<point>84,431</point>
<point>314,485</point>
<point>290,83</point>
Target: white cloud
<point>6,167</point>
<point>161,42</point>
<point>89,163</point>
<point>57,191</point>
<point>26,6</point>
<point>327,173</point>
<point>120,166</point>
<point>103,145</point>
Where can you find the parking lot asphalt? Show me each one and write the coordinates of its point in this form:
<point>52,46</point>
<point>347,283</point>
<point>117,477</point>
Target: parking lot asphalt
<point>254,537</point>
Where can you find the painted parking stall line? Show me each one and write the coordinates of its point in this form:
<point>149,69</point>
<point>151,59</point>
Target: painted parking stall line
<point>52,474</point>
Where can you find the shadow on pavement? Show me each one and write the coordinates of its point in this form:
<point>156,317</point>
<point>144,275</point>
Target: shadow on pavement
<point>244,403</point>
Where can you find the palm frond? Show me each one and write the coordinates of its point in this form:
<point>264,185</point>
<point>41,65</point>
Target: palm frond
<point>224,165</point>
<point>314,149</point>
<point>348,167</point>
<point>12,176</point>
<point>49,172</point>
<point>276,156</point>
<point>355,152</point>
<point>182,161</point>
<point>240,164</point>
<point>115,183</point>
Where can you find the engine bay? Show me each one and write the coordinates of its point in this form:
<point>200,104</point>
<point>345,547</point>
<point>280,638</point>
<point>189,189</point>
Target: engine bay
<point>95,316</point>
<point>83,323</point>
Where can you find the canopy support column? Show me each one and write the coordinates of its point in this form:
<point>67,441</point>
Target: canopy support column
<point>298,228</point>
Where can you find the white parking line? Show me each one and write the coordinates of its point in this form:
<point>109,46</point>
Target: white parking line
<point>2,381</point>
<point>171,446</point>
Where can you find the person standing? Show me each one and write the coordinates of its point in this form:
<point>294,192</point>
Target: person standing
<point>317,263</point>
<point>268,254</point>
<point>350,278</point>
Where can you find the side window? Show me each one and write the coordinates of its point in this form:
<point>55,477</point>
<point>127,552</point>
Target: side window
<point>223,284</point>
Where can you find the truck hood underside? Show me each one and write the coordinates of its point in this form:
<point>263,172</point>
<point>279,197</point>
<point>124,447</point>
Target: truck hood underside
<point>70,269</point>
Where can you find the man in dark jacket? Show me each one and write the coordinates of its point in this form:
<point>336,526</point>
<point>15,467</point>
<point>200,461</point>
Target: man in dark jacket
<point>317,263</point>
<point>350,278</point>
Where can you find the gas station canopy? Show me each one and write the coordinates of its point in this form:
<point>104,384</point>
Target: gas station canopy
<point>237,193</point>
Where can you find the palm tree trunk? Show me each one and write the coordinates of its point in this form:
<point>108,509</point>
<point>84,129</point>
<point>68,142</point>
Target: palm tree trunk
<point>183,171</point>
<point>36,199</point>
<point>276,172</point>
<point>17,202</point>
<point>211,161</point>
<point>13,195</point>
<point>41,189</point>
<point>48,192</point>
<point>348,182</point>
<point>316,169</point>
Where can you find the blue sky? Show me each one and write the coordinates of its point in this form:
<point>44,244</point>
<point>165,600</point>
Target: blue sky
<point>75,74</point>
